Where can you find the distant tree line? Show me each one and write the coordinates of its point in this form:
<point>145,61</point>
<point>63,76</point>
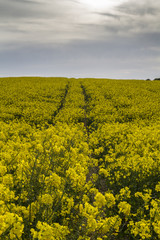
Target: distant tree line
<point>153,79</point>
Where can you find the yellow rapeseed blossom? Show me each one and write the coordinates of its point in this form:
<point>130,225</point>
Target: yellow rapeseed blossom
<point>3,169</point>
<point>89,210</point>
<point>145,196</point>
<point>8,180</point>
<point>91,224</point>
<point>155,210</point>
<point>157,188</point>
<point>156,226</point>
<point>45,231</point>
<point>124,193</point>
<point>100,200</point>
<point>110,200</point>
<point>104,172</point>
<point>111,223</point>
<point>46,199</point>
<point>124,208</point>
<point>53,180</point>
<point>141,229</point>
<point>67,204</point>
<point>12,222</point>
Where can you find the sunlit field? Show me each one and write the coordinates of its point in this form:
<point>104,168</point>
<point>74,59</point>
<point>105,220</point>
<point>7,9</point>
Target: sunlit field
<point>79,159</point>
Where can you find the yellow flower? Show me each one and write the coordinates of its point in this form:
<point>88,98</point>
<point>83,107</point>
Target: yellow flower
<point>46,199</point>
<point>8,180</point>
<point>12,222</point>
<point>53,180</point>
<point>110,200</point>
<point>141,228</point>
<point>124,208</point>
<point>91,224</point>
<point>54,232</point>
<point>156,226</point>
<point>100,200</point>
<point>104,171</point>
<point>157,188</point>
<point>3,169</point>
<point>110,223</point>
<point>124,193</point>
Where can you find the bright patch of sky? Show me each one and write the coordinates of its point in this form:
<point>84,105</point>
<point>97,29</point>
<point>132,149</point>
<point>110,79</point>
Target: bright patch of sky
<point>101,5</point>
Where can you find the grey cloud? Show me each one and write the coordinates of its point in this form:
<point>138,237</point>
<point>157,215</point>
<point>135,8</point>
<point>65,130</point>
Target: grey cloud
<point>37,21</point>
<point>129,19</point>
<point>52,37</point>
<point>66,20</point>
<point>26,1</point>
<point>11,9</point>
<point>140,8</point>
<point>134,17</point>
<point>107,14</point>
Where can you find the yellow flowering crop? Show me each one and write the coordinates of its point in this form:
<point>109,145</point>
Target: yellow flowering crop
<point>79,159</point>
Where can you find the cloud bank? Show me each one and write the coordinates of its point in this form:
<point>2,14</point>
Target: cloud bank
<point>67,33</point>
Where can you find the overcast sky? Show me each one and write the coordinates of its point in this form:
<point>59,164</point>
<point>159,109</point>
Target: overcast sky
<point>80,38</point>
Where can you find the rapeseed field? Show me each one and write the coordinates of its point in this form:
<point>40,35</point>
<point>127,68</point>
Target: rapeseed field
<point>79,159</point>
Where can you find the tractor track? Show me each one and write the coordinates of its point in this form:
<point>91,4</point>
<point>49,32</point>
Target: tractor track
<point>61,105</point>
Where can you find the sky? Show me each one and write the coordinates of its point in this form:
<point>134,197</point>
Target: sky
<point>117,39</point>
